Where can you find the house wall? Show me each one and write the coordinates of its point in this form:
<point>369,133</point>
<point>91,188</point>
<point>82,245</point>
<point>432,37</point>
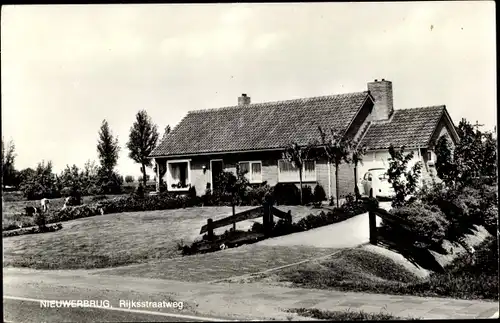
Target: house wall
<point>201,177</point>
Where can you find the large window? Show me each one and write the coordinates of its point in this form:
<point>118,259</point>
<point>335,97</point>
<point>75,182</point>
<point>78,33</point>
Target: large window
<point>253,170</point>
<point>288,173</point>
<point>178,175</point>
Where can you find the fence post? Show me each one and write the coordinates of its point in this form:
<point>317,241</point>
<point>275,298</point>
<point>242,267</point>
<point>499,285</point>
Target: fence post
<point>210,229</point>
<point>234,213</point>
<point>372,220</point>
<point>265,219</point>
<point>373,227</point>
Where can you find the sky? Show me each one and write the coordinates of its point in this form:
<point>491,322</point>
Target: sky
<point>66,68</point>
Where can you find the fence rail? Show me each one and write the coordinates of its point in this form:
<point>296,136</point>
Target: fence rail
<point>266,211</point>
<point>238,217</point>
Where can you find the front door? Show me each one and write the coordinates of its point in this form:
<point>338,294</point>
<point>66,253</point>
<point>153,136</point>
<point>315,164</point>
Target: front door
<point>217,166</point>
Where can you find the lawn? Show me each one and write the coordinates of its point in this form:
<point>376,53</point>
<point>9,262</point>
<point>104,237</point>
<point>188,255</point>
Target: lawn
<point>359,270</point>
<point>221,265</point>
<point>112,239</point>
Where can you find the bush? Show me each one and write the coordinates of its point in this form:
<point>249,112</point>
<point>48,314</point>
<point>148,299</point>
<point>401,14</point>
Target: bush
<point>139,191</point>
<point>462,208</point>
<point>40,221</point>
<point>319,194</point>
<point>491,220</point>
<point>307,194</point>
<point>257,227</point>
<point>427,224</point>
<point>207,198</point>
<point>74,200</point>
<point>283,227</point>
<point>255,195</point>
<point>286,194</point>
<point>353,207</point>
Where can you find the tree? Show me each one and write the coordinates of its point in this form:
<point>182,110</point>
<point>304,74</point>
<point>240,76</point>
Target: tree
<point>488,165</point>
<point>142,140</point>
<point>467,154</point>
<point>41,183</point>
<point>108,149</point>
<point>71,181</point>
<point>357,152</point>
<point>337,150</point>
<point>129,179</point>
<point>8,159</point>
<point>403,181</point>
<point>90,179</point>
<point>297,156</point>
<point>445,166</point>
<point>474,156</point>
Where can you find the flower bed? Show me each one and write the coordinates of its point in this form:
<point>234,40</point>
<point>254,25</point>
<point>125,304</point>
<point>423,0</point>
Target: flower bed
<point>32,230</point>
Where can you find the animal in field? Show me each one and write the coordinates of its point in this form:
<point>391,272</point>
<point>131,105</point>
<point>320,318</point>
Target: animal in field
<point>31,210</point>
<point>66,203</point>
<point>45,202</point>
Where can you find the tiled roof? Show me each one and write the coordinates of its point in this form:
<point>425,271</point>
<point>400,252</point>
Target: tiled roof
<point>267,125</point>
<point>407,127</point>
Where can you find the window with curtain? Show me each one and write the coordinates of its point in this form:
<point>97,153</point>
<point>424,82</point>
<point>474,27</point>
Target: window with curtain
<point>288,173</point>
<point>253,171</point>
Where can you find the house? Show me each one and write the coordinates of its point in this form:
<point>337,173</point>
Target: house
<point>253,136</point>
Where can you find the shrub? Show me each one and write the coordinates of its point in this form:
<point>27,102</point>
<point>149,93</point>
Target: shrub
<point>427,224</point>
<point>257,227</point>
<point>307,194</point>
<point>255,195</point>
<point>283,227</point>
<point>207,198</point>
<point>40,221</point>
<point>353,207</point>
<point>403,181</point>
<point>319,194</point>
<point>286,194</point>
<point>139,191</point>
<point>491,220</point>
<point>74,200</point>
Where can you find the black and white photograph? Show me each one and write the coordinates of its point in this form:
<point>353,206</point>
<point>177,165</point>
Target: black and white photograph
<point>214,162</point>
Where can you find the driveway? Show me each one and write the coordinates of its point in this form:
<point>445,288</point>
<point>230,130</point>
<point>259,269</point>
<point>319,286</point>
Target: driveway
<point>346,234</point>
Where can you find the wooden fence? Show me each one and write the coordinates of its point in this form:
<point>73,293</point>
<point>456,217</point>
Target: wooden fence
<point>266,211</point>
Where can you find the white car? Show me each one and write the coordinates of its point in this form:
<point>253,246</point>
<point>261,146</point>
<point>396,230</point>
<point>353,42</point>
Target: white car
<point>375,182</point>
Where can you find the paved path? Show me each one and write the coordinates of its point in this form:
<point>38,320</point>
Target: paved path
<point>346,234</point>
<point>240,301</point>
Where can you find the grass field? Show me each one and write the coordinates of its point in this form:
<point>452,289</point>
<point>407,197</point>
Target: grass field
<point>14,210</point>
<point>111,240</point>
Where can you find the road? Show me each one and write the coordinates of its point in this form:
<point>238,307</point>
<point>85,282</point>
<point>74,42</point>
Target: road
<point>21,311</point>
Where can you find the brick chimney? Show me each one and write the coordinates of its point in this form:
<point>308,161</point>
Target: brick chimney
<point>382,93</point>
<point>243,99</point>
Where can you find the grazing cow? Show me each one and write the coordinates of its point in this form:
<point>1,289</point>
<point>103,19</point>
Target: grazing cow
<point>30,210</point>
<point>45,204</point>
<point>66,202</point>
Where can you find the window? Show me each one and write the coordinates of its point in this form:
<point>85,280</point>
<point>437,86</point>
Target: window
<point>288,173</point>
<point>178,175</point>
<point>429,156</point>
<point>253,170</point>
